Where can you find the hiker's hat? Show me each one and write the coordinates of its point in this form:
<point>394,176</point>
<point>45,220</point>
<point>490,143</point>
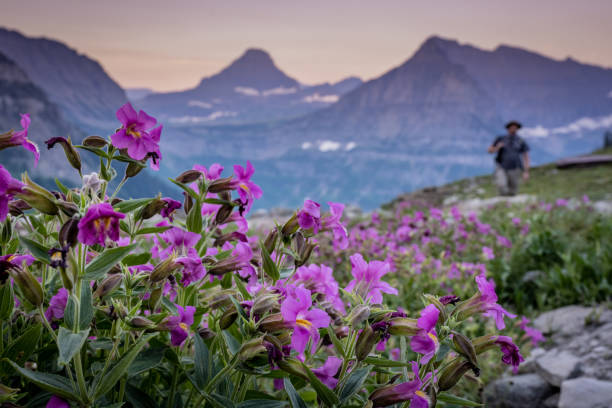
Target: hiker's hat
<point>513,123</point>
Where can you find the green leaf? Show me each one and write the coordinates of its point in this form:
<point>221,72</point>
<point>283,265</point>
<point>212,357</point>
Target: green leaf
<point>96,150</point>
<point>86,309</point>
<point>231,342</point>
<point>201,362</point>
<point>62,187</point>
<point>335,341</point>
<point>55,384</point>
<point>105,262</point>
<point>453,399</point>
<point>110,378</point>
<point>194,218</point>
<point>131,205</point>
<point>147,360</point>
<point>354,383</point>
<point>152,230</point>
<point>186,188</point>
<point>268,265</point>
<point>7,301</point>
<point>23,346</point>
<point>261,403</point>
<point>39,251</point>
<point>217,201</point>
<point>294,397</point>
<point>137,259</point>
<point>323,392</point>
<point>138,398</point>
<point>69,344</point>
<point>219,401</point>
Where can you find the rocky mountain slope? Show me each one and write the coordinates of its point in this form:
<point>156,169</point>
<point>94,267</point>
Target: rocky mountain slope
<point>77,84</point>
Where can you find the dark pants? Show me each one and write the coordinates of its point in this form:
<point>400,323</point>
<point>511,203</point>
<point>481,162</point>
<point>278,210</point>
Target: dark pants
<point>507,181</point>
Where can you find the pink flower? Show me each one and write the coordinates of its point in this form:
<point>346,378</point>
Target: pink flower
<point>8,188</point>
<point>170,208</point>
<point>193,270</point>
<point>367,279</point>
<point>57,305</point>
<point>327,372</point>
<point>309,217</point>
<point>511,353</point>
<point>332,222</point>
<point>320,279</point>
<point>179,325</point>
<point>57,402</point>
<point>247,190</point>
<point>296,311</point>
<point>426,341</point>
<point>487,302</point>
<point>488,253</point>
<point>21,138</point>
<point>137,134</point>
<point>213,172</point>
<point>100,222</point>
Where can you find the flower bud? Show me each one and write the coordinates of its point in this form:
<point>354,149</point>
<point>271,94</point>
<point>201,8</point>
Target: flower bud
<point>95,141</point>
<point>7,232</point>
<point>108,285</point>
<point>133,168</point>
<point>189,176</point>
<point>163,269</point>
<point>264,303</point>
<point>252,349</point>
<point>71,154</point>
<point>293,366</point>
<point>273,323</point>
<point>67,207</point>
<point>451,375</point>
<point>223,213</point>
<point>222,184</point>
<point>359,314</point>
<point>228,318</point>
<point>152,209</point>
<point>28,284</point>
<point>154,298</point>
<point>17,207</point>
<point>434,301</point>
<point>403,326</point>
<point>464,346</point>
<point>37,196</point>
<point>290,227</point>
<point>139,322</point>
<point>270,241</point>
<point>206,333</point>
<point>187,202</point>
<point>69,232</point>
<point>365,343</point>
<point>305,253</point>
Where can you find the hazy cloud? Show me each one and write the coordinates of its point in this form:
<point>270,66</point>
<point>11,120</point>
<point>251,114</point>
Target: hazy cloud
<point>574,127</point>
<point>279,91</point>
<point>245,90</point>
<point>315,97</point>
<point>200,104</point>
<point>184,120</point>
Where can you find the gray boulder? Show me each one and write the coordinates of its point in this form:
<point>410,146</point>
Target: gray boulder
<point>521,391</point>
<point>585,393</point>
<point>555,367</point>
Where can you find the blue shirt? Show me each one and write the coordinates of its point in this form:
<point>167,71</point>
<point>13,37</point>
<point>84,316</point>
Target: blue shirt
<point>509,156</point>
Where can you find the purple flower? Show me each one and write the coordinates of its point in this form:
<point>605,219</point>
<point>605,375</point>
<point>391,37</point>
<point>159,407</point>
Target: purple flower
<point>193,270</point>
<point>487,302</point>
<point>511,353</point>
<point>8,188</point>
<point>406,391</point>
<point>179,325</point>
<point>100,222</point>
<point>488,253</point>
<point>213,172</point>
<point>57,305</point>
<point>177,240</point>
<point>310,216</point>
<point>296,311</point>
<point>57,402</point>
<point>327,372</point>
<point>320,279</point>
<point>137,134</point>
<point>170,208</point>
<point>367,279</point>
<point>535,335</point>
<point>11,138</point>
<point>332,222</point>
<point>449,299</point>
<point>10,261</point>
<point>247,190</point>
<point>426,341</point>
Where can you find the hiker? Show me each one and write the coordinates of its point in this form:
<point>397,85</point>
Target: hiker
<point>512,160</point>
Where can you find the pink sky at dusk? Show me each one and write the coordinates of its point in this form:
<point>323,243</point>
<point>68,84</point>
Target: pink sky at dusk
<point>171,45</point>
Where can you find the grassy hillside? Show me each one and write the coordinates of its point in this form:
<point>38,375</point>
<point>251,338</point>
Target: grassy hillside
<point>545,181</point>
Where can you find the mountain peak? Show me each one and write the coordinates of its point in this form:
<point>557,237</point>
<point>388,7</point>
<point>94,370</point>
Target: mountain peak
<point>254,68</point>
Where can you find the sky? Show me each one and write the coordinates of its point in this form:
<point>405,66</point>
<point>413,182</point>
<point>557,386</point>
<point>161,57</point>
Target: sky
<point>172,45</point>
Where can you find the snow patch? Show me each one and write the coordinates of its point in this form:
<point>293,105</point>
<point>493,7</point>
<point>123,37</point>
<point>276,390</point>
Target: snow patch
<point>316,98</point>
<point>306,145</point>
<point>279,91</point>
<point>199,104</point>
<point>184,120</point>
<point>329,146</point>
<point>350,146</point>
<point>245,90</point>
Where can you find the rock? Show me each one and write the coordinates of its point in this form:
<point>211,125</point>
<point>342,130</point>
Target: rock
<point>529,365</point>
<point>552,401</point>
<point>521,391</point>
<point>567,320</point>
<point>555,367</point>
<point>585,393</point>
